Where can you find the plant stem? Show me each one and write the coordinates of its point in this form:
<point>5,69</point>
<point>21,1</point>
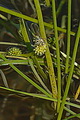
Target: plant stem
<point>60,7</point>
<point>41,72</point>
<point>68,36</point>
<point>38,77</point>
<point>70,74</point>
<point>25,35</point>
<point>47,2</point>
<point>71,112</point>
<point>48,56</point>
<point>57,54</point>
<point>7,62</point>
<point>13,44</point>
<point>4,78</point>
<point>75,115</point>
<point>24,31</point>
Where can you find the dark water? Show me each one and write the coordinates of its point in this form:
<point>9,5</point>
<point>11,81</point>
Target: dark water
<point>26,108</point>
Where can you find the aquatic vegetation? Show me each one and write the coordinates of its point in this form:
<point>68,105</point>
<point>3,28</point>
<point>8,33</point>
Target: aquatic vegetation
<point>39,46</point>
<point>49,53</point>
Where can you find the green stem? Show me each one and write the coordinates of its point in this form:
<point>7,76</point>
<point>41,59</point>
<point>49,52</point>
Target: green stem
<point>76,115</point>
<point>47,2</point>
<point>42,96</point>
<point>25,35</point>
<point>7,62</point>
<point>60,7</point>
<point>70,74</point>
<point>4,78</point>
<point>13,44</point>
<point>68,36</point>
<point>57,53</point>
<point>24,31</point>
<point>48,56</point>
<point>69,111</point>
<point>41,72</point>
<point>38,77</point>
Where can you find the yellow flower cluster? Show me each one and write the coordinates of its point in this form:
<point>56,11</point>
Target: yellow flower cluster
<point>40,49</point>
<point>14,51</point>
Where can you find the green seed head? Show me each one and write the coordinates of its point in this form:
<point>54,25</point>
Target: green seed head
<point>14,51</point>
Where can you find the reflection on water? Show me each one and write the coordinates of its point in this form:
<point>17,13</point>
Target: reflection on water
<point>27,108</point>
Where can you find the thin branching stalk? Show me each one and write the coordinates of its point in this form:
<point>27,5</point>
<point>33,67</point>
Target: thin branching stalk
<point>70,74</point>
<point>48,56</point>
<point>68,36</point>
<point>57,53</point>
<point>60,7</point>
<point>27,78</point>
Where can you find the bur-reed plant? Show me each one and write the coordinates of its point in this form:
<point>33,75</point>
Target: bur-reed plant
<point>32,60</point>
